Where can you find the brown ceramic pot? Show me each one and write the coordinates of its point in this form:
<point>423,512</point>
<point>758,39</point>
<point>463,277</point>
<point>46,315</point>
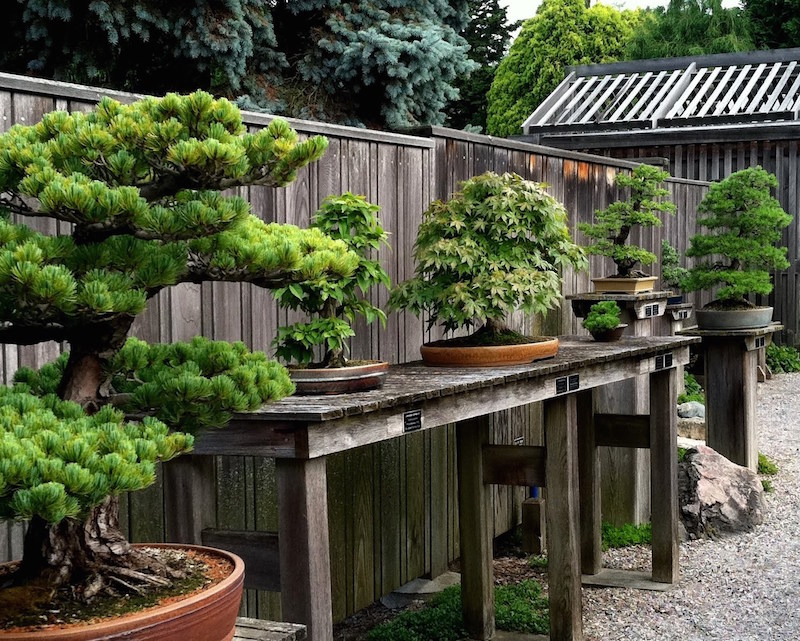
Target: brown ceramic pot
<point>615,285</point>
<point>209,615</point>
<point>488,356</point>
<point>339,380</point>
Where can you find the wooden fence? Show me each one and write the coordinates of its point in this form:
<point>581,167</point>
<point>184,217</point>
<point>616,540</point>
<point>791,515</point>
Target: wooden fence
<point>392,507</point>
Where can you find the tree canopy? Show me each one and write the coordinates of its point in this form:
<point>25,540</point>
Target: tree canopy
<point>775,24</point>
<point>562,33</point>
<point>386,62</point>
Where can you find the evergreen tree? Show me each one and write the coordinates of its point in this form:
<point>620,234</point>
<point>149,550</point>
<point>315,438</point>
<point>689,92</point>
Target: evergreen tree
<point>141,186</point>
<point>562,33</point>
<point>691,28</point>
<point>488,35</point>
<point>775,24</point>
<point>386,62</point>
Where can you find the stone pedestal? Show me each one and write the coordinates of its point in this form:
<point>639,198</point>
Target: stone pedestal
<point>731,370</point>
<point>625,473</point>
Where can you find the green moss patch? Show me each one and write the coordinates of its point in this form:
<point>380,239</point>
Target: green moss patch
<point>625,535</point>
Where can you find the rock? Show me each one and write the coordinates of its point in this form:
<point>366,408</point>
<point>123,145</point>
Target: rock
<point>693,428</point>
<point>717,497</point>
<point>692,409</point>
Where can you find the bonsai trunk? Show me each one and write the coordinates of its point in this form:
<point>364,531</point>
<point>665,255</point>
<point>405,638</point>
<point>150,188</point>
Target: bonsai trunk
<point>494,327</point>
<point>333,357</point>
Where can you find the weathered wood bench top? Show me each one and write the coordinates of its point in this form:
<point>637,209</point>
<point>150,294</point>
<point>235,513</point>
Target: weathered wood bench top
<point>258,630</point>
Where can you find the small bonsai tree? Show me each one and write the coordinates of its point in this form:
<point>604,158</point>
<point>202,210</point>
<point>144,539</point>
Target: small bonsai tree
<point>499,244</point>
<point>141,187</point>
<point>673,275</point>
<point>744,221</point>
<point>334,304</point>
<point>602,317</point>
<point>614,224</point>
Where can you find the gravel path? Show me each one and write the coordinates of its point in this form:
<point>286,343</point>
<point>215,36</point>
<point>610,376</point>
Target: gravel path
<point>743,588</point>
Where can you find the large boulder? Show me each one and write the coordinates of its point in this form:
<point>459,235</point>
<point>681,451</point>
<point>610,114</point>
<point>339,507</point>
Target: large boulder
<point>717,497</point>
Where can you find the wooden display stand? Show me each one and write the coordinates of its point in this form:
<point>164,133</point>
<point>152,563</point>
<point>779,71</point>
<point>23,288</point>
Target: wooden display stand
<point>301,432</point>
<point>731,369</point>
<point>625,473</point>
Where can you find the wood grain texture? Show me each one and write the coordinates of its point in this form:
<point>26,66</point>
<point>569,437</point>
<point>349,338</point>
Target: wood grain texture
<point>589,486</point>
<point>258,550</point>
<point>514,465</point>
<point>249,629</point>
<point>475,526</point>
<point>622,430</point>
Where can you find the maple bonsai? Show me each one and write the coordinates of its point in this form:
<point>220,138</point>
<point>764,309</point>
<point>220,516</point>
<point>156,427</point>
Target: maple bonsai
<point>498,245</point>
<point>611,231</point>
<point>743,222</point>
<point>140,186</point>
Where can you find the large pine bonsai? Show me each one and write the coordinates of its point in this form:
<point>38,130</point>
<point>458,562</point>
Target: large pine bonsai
<point>141,186</point>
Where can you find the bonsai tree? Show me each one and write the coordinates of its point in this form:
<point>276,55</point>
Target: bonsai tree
<point>602,317</point>
<point>497,245</point>
<point>331,304</point>
<point>743,222</point>
<point>140,186</point>
<point>673,275</point>
<point>613,225</point>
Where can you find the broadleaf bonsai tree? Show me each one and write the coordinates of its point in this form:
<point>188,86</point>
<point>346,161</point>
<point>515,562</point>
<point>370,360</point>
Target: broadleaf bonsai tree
<point>141,187</point>
<point>612,227</point>
<point>743,222</point>
<point>602,317</point>
<point>333,305</point>
<point>498,245</point>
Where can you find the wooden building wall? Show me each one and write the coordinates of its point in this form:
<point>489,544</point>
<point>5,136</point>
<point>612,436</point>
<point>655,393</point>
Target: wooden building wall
<point>393,509</point>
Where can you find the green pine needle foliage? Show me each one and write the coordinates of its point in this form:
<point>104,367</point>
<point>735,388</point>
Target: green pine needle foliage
<point>646,203</point>
<point>518,607</point>
<point>498,245</point>
<point>743,223</point>
<point>57,462</point>
<point>602,316</point>
<point>673,275</point>
<point>333,305</point>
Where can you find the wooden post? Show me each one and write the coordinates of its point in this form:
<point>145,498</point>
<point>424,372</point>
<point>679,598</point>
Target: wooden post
<point>475,527</point>
<point>563,554</point>
<point>731,399</point>
<point>303,542</point>
<point>190,498</point>
<point>589,481</point>
<point>664,474</point>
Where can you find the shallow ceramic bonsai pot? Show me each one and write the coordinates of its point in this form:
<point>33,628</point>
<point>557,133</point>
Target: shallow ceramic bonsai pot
<point>615,285</point>
<point>733,319</point>
<point>609,335</point>
<point>439,354</point>
<point>208,615</point>
<point>339,380</point>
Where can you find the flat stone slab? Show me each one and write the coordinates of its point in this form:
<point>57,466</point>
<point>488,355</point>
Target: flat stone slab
<point>419,590</point>
<point>633,579</point>
<point>500,635</point>
<point>248,629</point>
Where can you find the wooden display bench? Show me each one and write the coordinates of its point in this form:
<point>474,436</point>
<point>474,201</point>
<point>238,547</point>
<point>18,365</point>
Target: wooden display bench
<point>625,473</point>
<point>258,630</point>
<point>731,371</point>
<point>301,432</point>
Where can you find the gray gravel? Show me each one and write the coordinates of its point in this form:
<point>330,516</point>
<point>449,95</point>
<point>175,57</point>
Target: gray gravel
<point>743,588</point>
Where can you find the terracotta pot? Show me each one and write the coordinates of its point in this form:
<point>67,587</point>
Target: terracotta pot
<point>609,335</point>
<point>624,285</point>
<point>733,319</point>
<point>488,356</point>
<point>339,380</point>
<point>209,615</point>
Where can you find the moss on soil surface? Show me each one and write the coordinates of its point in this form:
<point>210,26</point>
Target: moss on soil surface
<point>483,338</point>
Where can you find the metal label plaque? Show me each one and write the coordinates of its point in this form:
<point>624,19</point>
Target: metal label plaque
<point>412,421</point>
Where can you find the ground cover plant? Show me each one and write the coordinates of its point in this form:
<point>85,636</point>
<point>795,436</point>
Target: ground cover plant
<point>742,223</point>
<point>333,305</point>
<point>611,230</point>
<point>141,186</point>
<point>625,535</point>
<point>692,391</point>
<point>783,358</point>
<point>498,245</point>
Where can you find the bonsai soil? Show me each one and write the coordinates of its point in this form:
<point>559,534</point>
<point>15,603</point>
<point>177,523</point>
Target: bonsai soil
<point>483,338</point>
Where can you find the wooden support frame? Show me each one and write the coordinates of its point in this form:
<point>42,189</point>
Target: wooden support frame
<point>519,465</point>
<point>622,430</point>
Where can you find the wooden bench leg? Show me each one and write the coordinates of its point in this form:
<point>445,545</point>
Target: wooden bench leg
<point>589,481</point>
<point>563,554</point>
<point>664,475</point>
<point>475,526</point>
<point>303,544</point>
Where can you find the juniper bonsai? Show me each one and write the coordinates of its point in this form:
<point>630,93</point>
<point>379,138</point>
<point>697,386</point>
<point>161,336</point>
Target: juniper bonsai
<point>498,245</point>
<point>613,225</point>
<point>140,187</point>
<point>673,275</point>
<point>743,222</point>
<point>334,304</point>
<point>602,316</point>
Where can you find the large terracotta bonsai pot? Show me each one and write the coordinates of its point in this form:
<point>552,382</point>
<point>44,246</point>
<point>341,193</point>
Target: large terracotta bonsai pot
<point>209,615</point>
<point>488,356</point>
<point>733,319</point>
<point>615,285</point>
<point>339,380</point>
